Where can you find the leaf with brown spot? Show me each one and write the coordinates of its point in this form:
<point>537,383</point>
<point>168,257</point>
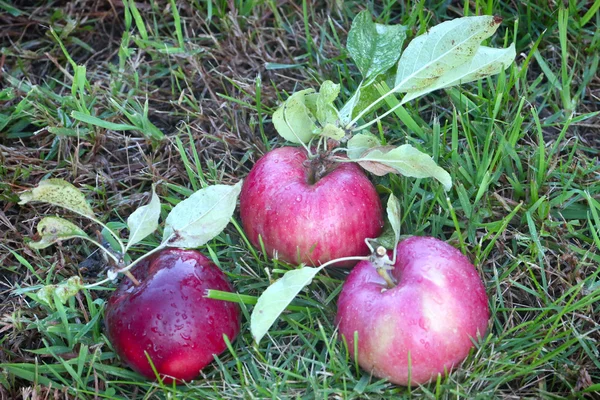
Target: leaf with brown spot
<point>55,229</point>
<point>60,193</point>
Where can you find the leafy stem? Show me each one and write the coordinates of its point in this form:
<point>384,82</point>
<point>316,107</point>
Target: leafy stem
<point>112,233</point>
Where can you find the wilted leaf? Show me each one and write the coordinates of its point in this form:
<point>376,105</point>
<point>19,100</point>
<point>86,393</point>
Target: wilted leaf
<point>487,62</point>
<point>276,298</point>
<point>46,294</point>
<point>443,48</point>
<point>375,48</point>
<point>293,120</point>
<point>59,193</point>
<point>144,220</point>
<point>62,292</point>
<point>202,216</point>
<point>68,289</point>
<point>54,229</point>
<point>409,162</point>
<point>332,131</point>
<point>359,144</point>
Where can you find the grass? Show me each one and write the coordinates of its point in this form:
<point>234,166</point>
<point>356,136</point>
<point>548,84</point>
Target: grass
<point>120,95</point>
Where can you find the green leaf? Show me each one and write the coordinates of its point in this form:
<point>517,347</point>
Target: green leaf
<point>375,48</point>
<point>54,229</point>
<point>201,217</point>
<point>62,291</point>
<point>68,289</point>
<point>46,294</point>
<point>293,120</point>
<point>443,48</point>
<point>333,132</point>
<point>407,161</point>
<point>144,220</point>
<point>276,298</point>
<point>394,216</point>
<point>359,144</point>
<point>326,112</point>
<point>59,193</point>
<point>487,62</point>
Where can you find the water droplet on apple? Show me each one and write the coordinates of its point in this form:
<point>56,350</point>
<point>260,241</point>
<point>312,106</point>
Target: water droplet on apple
<point>154,329</point>
<point>184,316</point>
<point>185,336</point>
<point>299,199</point>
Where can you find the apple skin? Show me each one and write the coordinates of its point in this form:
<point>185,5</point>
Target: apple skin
<point>437,307</point>
<point>309,223</point>
<point>168,316</point>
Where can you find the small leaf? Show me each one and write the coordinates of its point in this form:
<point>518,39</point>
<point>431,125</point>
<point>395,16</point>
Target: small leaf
<point>387,238</point>
<point>54,229</point>
<point>326,112</point>
<point>333,132</point>
<point>443,48</point>
<point>68,289</point>
<point>375,48</point>
<point>59,193</point>
<point>347,111</point>
<point>409,162</point>
<point>46,293</point>
<point>62,291</point>
<point>293,120</point>
<point>201,217</point>
<point>276,298</point>
<point>394,216</point>
<point>359,144</point>
<point>487,62</point>
<point>144,220</point>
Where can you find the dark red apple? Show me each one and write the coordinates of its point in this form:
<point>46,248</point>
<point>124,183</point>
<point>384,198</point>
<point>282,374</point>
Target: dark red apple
<point>309,212</point>
<point>422,327</point>
<point>169,317</point>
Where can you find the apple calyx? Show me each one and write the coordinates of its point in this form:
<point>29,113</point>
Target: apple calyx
<point>381,261</point>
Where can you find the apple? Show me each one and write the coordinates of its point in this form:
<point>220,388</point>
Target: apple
<point>309,211</point>
<point>168,316</point>
<point>423,326</point>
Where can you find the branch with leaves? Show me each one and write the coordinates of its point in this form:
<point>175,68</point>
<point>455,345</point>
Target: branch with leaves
<point>190,224</point>
<point>447,55</point>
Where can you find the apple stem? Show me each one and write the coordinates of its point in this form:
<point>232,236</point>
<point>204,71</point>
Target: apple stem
<point>132,278</point>
<point>386,277</point>
<point>381,260</point>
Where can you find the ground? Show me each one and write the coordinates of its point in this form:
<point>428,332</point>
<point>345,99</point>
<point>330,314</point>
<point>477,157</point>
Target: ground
<point>199,80</point>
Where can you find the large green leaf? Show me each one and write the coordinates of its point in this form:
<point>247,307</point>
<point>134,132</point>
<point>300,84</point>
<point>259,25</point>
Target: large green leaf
<point>277,297</point>
<point>443,48</point>
<point>407,161</point>
<point>375,48</point>
<point>201,217</point>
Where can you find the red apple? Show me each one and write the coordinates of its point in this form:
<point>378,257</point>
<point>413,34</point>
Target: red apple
<point>304,218</point>
<point>168,316</point>
<point>422,327</point>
